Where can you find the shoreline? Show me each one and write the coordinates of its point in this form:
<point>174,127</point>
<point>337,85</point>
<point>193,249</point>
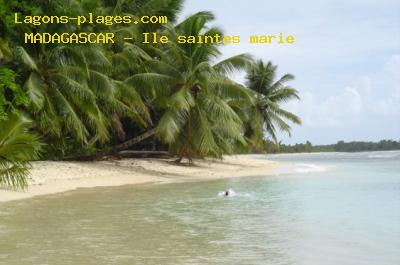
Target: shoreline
<point>50,177</point>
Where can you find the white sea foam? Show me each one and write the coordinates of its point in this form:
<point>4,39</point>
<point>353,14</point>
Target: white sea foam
<point>232,193</point>
<point>382,155</point>
<point>307,168</point>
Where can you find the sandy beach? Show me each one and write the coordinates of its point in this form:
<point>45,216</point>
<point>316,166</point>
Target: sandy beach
<point>49,177</point>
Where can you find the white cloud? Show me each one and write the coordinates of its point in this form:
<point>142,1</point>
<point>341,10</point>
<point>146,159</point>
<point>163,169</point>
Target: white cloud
<point>393,66</point>
<point>346,61</point>
<point>371,99</point>
<point>336,110</point>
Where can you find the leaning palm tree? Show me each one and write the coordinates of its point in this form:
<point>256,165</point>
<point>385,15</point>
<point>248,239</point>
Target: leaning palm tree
<point>17,148</point>
<point>267,113</point>
<point>196,100</point>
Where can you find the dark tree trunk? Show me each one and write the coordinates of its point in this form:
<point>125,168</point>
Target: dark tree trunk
<point>131,142</point>
<point>113,151</point>
<point>179,160</point>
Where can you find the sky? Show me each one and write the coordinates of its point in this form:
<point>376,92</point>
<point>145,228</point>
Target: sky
<point>346,60</point>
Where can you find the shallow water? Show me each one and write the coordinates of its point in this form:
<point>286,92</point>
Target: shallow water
<point>326,209</point>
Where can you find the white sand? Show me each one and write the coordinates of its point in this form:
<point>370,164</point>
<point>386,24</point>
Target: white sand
<point>49,177</point>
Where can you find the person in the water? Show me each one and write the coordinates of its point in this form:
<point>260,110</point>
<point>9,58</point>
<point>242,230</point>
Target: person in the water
<point>227,193</point>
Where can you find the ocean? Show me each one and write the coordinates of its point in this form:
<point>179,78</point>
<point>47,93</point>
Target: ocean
<point>318,209</point>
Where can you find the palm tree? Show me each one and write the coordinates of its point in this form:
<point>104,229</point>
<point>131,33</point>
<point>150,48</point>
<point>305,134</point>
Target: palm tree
<point>77,95</point>
<point>74,98</point>
<point>61,100</point>
<point>17,148</point>
<point>267,113</point>
<point>196,99</point>
<point>17,145</point>
<point>72,95</point>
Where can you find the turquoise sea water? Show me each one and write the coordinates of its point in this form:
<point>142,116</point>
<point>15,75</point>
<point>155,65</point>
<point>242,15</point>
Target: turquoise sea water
<point>322,209</point>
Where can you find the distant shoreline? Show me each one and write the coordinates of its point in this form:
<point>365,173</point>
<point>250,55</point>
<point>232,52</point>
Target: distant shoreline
<point>341,146</point>
<point>49,177</point>
<point>322,152</point>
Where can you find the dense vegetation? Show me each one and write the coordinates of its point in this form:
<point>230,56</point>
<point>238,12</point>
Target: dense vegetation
<point>341,146</point>
<point>59,101</point>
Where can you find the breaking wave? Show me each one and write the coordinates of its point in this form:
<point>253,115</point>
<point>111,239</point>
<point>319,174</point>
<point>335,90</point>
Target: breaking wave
<point>307,168</point>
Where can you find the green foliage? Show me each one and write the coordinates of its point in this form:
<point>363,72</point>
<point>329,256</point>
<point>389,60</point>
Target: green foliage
<point>12,96</point>
<point>266,114</point>
<point>87,98</point>
<point>10,30</point>
<point>196,99</point>
<point>17,148</point>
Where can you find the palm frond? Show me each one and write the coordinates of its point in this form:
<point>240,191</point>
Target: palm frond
<point>25,58</point>
<point>17,148</point>
<point>232,64</point>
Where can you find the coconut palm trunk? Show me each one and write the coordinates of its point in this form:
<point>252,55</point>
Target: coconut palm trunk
<point>133,141</point>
